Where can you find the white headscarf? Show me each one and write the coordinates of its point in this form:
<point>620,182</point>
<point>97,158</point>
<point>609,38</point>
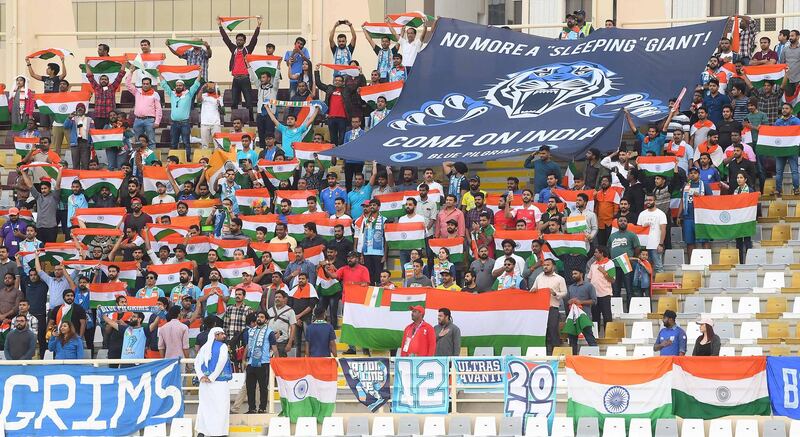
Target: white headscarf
<point>205,352</point>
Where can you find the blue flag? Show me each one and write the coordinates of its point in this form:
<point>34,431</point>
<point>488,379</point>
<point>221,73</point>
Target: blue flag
<point>783,381</point>
<point>69,400</point>
<point>479,92</point>
<point>530,389</point>
<point>368,378</point>
<point>421,385</point>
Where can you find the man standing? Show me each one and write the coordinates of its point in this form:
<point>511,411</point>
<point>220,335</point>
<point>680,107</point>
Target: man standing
<point>282,321</point>
<point>196,56</point>
<point>46,206</point>
<point>542,167</point>
<point>213,368</point>
<point>13,231</point>
<point>105,96</point>
<point>791,55</point>
<point>787,118</point>
<point>10,297</point>
<point>303,298</point>
<point>623,242</point>
<point>57,285</point>
<point>551,282</point>
<point>267,87</point>
<point>291,132</point>
<point>147,108</point>
<point>320,336</point>
<point>657,220</point>
<point>419,338</point>
<point>173,336</point>
<point>671,340</point>
<point>339,99</point>
<point>582,294</point>
<point>260,342</point>
<point>342,51</point>
<point>448,335</point>
<point>20,343</point>
<point>372,243</point>
<point>694,187</point>
<point>236,314</point>
<point>238,65</point>
<point>181,103</point>
<point>598,277</point>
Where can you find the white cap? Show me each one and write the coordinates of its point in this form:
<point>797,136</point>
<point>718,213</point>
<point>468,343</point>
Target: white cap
<point>705,321</point>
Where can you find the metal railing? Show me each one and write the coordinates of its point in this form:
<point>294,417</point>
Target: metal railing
<point>164,33</point>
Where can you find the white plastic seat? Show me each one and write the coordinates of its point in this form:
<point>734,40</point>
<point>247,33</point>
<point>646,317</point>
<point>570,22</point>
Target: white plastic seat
<point>752,351</point>
<point>692,332</point>
<point>722,305</point>
<point>724,330</point>
<point>641,332</point>
<point>700,259</point>
<point>693,305</point>
<point>434,425</point>
<point>332,426</point>
<point>746,428</point>
<point>727,351</point>
<point>614,427</point>
<point>750,331</point>
<point>643,352</point>
<point>780,256</point>
<point>511,350</point>
<point>589,351</point>
<point>483,351</point>
<point>794,428</point>
<point>639,307</point>
<point>640,427</point>
<point>383,425</point>
<point>536,426</point>
<point>159,430</point>
<point>279,427</point>
<point>674,258</point>
<point>485,426</point>
<point>749,306</point>
<point>616,351</point>
<point>181,427</point>
<point>795,308</point>
<point>563,427</point>
<point>746,279</point>
<point>693,428</point>
<point>720,428</point>
<point>305,427</point>
<point>719,280</point>
<point>755,256</point>
<point>535,352</point>
<point>616,307</point>
<point>774,280</point>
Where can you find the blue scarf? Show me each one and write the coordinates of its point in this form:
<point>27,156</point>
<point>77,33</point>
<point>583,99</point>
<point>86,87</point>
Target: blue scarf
<point>208,368</point>
<point>258,346</point>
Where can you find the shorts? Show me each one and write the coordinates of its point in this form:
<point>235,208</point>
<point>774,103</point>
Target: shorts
<point>688,232</point>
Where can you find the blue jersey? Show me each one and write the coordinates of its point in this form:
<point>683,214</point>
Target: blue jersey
<point>678,337</point>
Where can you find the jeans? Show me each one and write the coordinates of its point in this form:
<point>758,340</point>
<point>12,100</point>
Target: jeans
<point>657,259</point>
<point>256,375</point>
<point>57,138</point>
<point>179,131</point>
<point>299,334</point>
<point>265,127</point>
<point>602,309</point>
<point>114,159</point>
<point>623,280</point>
<point>780,166</point>
<point>552,334</point>
<point>241,87</point>
<point>48,235</point>
<point>351,169</point>
<point>80,154</point>
<point>374,264</point>
<point>61,219</point>
<point>587,334</point>
<point>332,303</point>
<point>743,244</point>
<point>337,126</point>
<point>41,330</point>
<point>762,171</point>
<point>145,126</point>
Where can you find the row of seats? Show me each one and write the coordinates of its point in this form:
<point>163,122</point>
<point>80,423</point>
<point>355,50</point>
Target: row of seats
<point>642,332</point>
<point>756,257</point>
<point>620,351</point>
<point>615,427</point>
<point>721,307</point>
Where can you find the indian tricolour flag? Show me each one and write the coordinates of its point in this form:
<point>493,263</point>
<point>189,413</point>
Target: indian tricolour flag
<point>381,30</point>
<point>567,244</point>
<point>105,294</point>
<point>402,299</point>
<point>295,223</point>
<point>642,232</point>
<point>50,169</point>
<point>313,254</point>
<point>305,152</point>
<point>228,141</point>
<point>624,263</point>
<point>252,222</point>
<point>202,207</point>
<point>393,204</point>
<point>758,74</point>
<point>726,217</point>
<point>411,19</point>
<point>68,175</point>
<point>778,140</point>
<point>569,197</point>
<point>389,90</point>
<point>61,105</point>
<point>627,389</point>
<point>159,210</point>
<point>502,318</point>
<point>297,197</point>
<point>282,170</point>
<point>159,232</point>
<point>245,198</point>
<point>576,224</point>
<point>307,386</point>
<point>568,181</point>
<point>23,145</point>
<point>105,138</point>
<point>128,270</point>
<point>657,165</point>
<point>151,175</point>
<point>110,66</point>
<point>183,173</point>
<point>94,180</point>
<point>406,236</point>
<point>56,253</point>
<point>181,46</point>
<point>148,62</point>
<point>260,64</point>
<point>194,331</point>
<point>230,23</point>
<point>86,235</point>
<point>196,249</point>
<point>231,272</point>
<point>454,245</point>
<point>173,73</point>
<point>51,53</point>
<point>100,217</point>
<point>523,239</point>
<point>279,252</point>
<point>715,387</point>
<point>226,248</point>
<point>327,286</point>
<point>25,215</point>
<point>168,274</point>
<point>348,70</point>
<point>326,227</point>
<point>5,114</point>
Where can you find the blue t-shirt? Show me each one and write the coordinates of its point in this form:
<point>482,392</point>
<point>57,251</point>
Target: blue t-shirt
<point>356,197</point>
<point>133,343</point>
<point>250,154</point>
<point>655,145</point>
<point>289,136</point>
<point>709,175</point>
<point>678,337</point>
<point>297,65</point>
<point>319,334</point>
<point>328,197</point>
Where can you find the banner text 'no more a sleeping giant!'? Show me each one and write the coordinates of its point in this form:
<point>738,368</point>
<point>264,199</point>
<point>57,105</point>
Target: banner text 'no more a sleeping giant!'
<point>479,92</point>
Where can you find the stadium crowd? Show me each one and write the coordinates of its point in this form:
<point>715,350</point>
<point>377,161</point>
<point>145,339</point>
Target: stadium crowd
<point>606,200</point>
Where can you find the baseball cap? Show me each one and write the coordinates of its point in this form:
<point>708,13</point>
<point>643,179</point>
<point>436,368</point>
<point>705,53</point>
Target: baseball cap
<point>365,203</point>
<point>694,169</point>
<point>136,199</point>
<point>445,272</point>
<point>13,211</point>
<point>705,321</point>
<point>419,308</point>
<point>475,178</point>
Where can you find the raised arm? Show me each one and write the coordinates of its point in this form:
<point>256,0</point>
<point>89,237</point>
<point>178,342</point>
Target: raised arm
<point>369,38</point>
<point>170,49</point>
<point>630,121</point>
<point>391,29</point>
<point>30,70</point>
<point>63,72</point>
<point>225,38</point>
<point>331,40</point>
<point>353,35</point>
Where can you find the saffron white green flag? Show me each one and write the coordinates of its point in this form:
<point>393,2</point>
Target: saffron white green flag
<point>389,91</point>
<point>405,236</point>
<point>381,30</point>
<point>411,19</point>
<point>61,105</point>
<point>105,138</point>
<point>232,275</point>
<point>260,64</point>
<point>778,140</point>
<point>24,145</point>
<point>454,245</point>
<point>181,46</point>
<point>307,386</point>
<point>173,73</point>
<point>576,224</point>
<point>230,23</point>
<point>51,53</point>
<point>726,217</point>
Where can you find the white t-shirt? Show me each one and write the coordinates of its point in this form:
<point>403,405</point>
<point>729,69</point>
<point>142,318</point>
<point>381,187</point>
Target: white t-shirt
<point>409,50</point>
<point>416,218</point>
<point>343,217</point>
<point>654,219</point>
<point>209,110</point>
<point>434,186</point>
<point>518,267</point>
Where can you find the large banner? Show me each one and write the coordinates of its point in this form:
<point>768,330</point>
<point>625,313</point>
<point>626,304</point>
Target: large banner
<point>375,317</point>
<point>89,401</point>
<point>479,92</point>
<point>368,379</point>
<point>479,374</point>
<point>421,385</point>
<point>783,379</point>
<point>530,388</point>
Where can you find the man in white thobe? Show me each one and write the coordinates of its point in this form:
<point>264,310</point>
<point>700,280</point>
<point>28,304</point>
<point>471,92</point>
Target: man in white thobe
<point>213,368</point>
